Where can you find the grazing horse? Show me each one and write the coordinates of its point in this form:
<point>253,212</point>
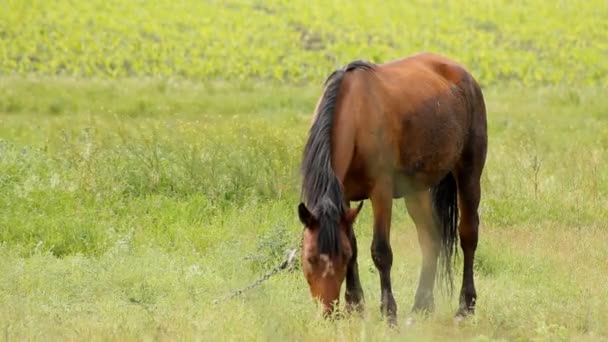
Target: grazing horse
<point>413,128</point>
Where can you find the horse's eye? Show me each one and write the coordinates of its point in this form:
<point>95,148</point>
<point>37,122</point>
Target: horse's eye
<point>312,260</point>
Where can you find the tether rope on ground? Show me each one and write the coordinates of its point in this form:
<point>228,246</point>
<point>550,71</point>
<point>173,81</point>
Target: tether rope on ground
<point>286,264</point>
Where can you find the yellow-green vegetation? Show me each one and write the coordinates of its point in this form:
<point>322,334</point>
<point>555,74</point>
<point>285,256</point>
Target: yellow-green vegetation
<point>128,204</point>
<point>534,42</point>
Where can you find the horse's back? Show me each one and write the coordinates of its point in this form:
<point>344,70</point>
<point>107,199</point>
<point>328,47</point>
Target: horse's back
<point>424,69</point>
<point>421,107</point>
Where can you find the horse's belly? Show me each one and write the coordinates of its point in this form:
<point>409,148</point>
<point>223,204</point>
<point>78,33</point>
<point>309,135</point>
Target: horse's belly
<point>428,149</point>
<point>406,183</point>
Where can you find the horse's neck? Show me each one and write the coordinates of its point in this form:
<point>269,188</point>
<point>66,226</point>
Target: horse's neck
<point>343,144</point>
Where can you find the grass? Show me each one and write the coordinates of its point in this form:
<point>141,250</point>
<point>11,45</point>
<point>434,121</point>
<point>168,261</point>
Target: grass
<point>525,42</point>
<point>129,206</point>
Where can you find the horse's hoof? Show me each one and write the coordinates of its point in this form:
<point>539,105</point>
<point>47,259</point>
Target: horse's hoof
<point>462,315</point>
<point>391,321</point>
<point>458,319</point>
<point>355,308</point>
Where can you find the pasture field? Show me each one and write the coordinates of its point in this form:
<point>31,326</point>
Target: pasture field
<point>150,166</point>
<point>529,42</point>
<point>128,215</point>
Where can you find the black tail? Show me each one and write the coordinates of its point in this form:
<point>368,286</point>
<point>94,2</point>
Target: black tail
<point>445,202</point>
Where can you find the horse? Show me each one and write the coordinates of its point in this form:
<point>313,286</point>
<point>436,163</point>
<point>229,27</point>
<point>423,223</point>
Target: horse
<point>412,128</point>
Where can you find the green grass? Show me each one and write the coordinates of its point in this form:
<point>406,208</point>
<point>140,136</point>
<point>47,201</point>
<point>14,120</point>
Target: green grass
<point>128,207</point>
<point>149,156</point>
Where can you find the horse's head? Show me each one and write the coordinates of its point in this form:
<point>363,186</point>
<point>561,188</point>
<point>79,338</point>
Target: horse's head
<point>325,273</point>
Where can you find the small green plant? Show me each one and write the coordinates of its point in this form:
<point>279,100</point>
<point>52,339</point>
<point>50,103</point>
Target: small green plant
<point>271,248</point>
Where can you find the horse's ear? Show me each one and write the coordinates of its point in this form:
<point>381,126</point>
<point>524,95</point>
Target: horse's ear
<point>306,217</point>
<point>352,213</point>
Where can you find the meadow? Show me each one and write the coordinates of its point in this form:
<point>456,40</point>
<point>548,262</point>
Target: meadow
<point>149,160</point>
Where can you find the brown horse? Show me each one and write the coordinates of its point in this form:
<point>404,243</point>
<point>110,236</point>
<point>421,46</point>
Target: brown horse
<point>412,128</point>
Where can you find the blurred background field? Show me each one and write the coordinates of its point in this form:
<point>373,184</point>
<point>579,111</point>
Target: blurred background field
<point>149,157</point>
<point>530,42</point>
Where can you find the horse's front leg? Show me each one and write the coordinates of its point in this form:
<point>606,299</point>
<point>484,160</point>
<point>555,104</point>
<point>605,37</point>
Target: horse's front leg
<point>382,254</point>
<point>354,292</point>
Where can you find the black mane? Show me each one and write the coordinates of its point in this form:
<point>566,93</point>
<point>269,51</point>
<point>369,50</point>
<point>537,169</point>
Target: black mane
<point>321,189</point>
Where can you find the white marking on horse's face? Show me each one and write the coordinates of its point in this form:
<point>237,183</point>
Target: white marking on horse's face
<point>329,266</point>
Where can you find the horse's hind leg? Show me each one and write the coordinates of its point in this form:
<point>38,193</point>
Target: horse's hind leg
<point>420,209</point>
<point>469,194</point>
